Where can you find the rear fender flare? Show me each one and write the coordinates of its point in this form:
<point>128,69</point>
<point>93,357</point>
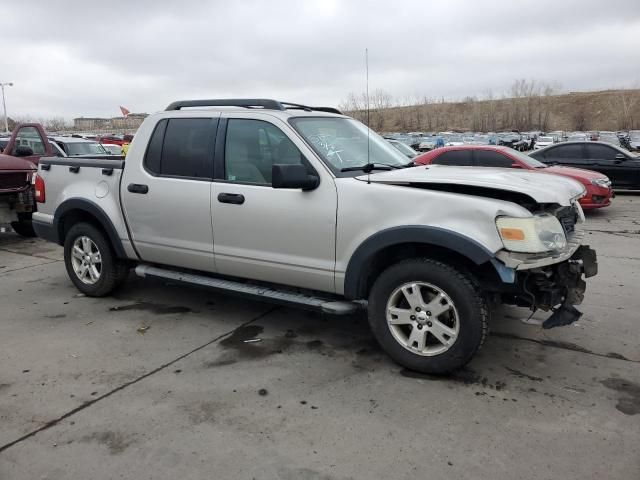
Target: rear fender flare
<point>91,208</point>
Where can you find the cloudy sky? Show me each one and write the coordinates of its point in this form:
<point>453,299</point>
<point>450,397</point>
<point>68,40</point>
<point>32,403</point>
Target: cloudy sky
<point>85,58</point>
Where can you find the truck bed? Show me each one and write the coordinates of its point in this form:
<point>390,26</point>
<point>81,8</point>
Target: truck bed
<point>88,179</point>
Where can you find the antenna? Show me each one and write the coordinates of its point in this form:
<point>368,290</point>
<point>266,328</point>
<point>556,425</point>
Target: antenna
<point>366,63</point>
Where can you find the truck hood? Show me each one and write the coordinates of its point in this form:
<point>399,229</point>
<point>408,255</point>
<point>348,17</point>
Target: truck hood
<point>7,162</point>
<point>541,188</point>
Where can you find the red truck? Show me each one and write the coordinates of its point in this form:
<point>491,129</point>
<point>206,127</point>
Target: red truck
<point>18,161</point>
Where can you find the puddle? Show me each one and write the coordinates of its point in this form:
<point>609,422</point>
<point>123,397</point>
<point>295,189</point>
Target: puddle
<point>629,399</point>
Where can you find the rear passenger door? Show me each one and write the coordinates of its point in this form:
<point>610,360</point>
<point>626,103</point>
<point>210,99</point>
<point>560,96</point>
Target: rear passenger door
<point>460,158</point>
<point>283,236</point>
<point>167,194</point>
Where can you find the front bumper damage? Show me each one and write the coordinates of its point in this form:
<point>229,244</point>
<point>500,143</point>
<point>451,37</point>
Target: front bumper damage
<point>557,287</point>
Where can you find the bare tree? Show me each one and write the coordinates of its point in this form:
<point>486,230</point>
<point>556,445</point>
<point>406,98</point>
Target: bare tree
<point>380,102</point>
<point>625,103</point>
<point>56,124</point>
<point>581,116</point>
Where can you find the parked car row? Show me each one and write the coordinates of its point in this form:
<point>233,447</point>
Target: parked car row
<point>521,141</point>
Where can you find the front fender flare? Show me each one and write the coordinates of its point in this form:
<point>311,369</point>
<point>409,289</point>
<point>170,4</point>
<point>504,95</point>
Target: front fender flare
<point>419,234</point>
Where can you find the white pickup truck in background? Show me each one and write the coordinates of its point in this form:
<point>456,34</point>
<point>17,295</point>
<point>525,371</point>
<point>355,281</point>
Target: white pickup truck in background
<point>305,206</point>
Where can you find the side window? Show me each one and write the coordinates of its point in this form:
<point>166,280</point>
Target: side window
<point>251,149</point>
<point>566,151</point>
<point>154,149</point>
<point>56,150</point>
<point>461,158</point>
<point>29,137</point>
<point>182,147</point>
<point>489,158</point>
<point>601,152</point>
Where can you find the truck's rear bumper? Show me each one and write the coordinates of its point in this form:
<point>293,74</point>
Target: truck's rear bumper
<point>45,229</point>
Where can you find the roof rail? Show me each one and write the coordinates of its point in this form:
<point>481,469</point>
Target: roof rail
<point>241,102</point>
<point>289,105</point>
<point>264,103</point>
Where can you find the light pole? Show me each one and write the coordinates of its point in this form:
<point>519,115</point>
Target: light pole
<point>4,105</point>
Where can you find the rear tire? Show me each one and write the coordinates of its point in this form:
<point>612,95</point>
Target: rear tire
<point>428,316</point>
<point>90,261</point>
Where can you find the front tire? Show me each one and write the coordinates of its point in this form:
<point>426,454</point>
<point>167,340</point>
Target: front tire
<point>91,264</point>
<point>428,316</point>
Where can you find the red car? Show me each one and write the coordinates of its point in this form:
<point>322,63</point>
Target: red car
<point>598,186</point>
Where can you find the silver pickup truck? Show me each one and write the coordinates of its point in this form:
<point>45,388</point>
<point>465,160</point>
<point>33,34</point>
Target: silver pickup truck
<point>305,206</point>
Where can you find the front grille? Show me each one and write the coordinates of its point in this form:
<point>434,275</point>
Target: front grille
<point>568,217</point>
<point>13,180</point>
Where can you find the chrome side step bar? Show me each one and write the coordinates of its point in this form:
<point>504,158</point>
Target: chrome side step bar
<point>327,305</point>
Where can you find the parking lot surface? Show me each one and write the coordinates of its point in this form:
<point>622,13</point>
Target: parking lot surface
<point>159,382</point>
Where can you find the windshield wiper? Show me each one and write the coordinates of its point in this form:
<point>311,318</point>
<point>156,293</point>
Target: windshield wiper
<point>369,167</point>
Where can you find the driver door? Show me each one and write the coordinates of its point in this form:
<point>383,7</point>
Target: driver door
<point>284,236</point>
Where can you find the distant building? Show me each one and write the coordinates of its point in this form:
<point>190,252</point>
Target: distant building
<point>131,121</point>
<point>90,123</point>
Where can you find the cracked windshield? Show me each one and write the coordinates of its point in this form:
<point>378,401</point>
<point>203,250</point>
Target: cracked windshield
<point>342,143</point>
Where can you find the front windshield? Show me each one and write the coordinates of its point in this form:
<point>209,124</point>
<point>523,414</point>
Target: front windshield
<point>342,142</point>
<point>532,162</point>
<point>85,148</point>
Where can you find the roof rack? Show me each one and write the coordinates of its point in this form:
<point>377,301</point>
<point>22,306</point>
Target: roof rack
<point>263,103</point>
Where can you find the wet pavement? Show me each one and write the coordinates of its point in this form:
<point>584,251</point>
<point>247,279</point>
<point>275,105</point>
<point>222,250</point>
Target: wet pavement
<point>164,381</point>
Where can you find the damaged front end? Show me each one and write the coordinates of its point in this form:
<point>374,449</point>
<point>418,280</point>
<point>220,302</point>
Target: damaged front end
<point>559,287</point>
<point>551,281</point>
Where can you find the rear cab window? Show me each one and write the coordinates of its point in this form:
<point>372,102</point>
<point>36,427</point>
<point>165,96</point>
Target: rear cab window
<point>182,147</point>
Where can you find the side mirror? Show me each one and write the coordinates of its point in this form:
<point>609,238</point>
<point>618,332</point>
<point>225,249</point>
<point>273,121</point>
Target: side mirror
<point>293,176</point>
<point>516,165</point>
<point>620,156</point>
<point>23,151</point>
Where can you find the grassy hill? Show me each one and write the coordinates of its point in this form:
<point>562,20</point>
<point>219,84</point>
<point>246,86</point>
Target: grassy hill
<point>602,110</point>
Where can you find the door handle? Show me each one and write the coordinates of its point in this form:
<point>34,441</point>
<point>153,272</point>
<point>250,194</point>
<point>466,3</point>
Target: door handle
<point>138,188</point>
<point>235,198</point>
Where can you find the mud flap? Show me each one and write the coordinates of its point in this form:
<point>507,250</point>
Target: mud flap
<point>565,315</point>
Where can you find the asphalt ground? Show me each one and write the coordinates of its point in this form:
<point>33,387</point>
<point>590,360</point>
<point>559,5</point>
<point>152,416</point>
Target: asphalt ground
<point>158,382</point>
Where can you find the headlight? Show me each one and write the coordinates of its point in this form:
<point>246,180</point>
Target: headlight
<point>601,182</point>
<point>541,233</point>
